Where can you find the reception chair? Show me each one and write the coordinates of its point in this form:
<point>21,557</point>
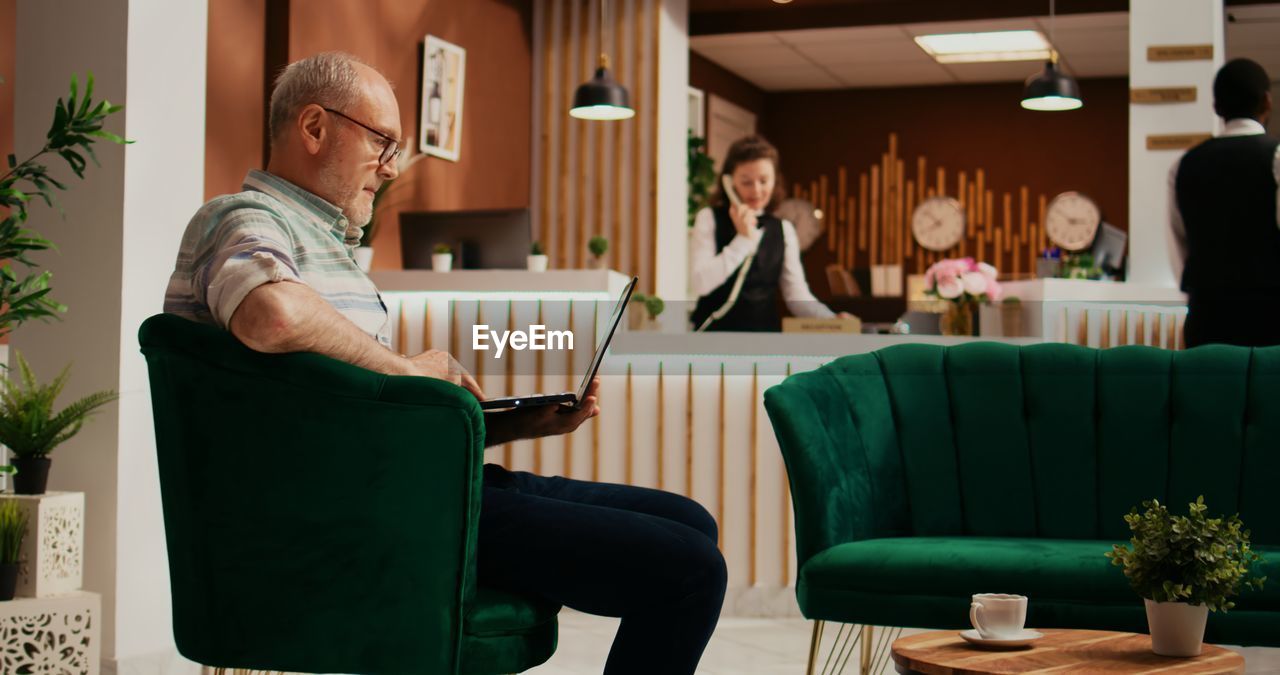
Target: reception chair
<point>322,518</point>
<point>922,474</point>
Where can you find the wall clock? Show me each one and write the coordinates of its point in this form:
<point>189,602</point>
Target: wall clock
<point>1071,221</point>
<point>938,223</point>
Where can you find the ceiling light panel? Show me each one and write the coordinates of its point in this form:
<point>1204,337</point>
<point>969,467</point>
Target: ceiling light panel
<point>1010,45</point>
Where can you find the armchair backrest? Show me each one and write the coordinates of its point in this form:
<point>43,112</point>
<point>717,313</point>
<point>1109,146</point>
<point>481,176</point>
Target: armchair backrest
<point>319,517</point>
<point>1050,440</point>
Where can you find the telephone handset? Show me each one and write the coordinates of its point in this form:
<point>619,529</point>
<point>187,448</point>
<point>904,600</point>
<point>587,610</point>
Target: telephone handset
<point>727,183</point>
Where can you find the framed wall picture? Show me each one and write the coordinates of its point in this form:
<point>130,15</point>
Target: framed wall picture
<point>444,67</point>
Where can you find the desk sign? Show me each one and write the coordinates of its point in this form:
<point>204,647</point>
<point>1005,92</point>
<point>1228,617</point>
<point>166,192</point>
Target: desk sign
<point>1162,95</point>
<point>1175,141</point>
<point>1180,53</point>
<point>794,324</point>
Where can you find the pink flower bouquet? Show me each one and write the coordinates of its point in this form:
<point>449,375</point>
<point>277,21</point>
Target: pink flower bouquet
<point>963,281</point>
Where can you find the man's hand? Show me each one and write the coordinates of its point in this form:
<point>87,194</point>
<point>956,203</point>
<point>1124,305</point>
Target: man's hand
<point>442,366</point>
<point>547,420</point>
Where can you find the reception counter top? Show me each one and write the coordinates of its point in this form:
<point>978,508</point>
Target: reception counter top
<point>777,344</point>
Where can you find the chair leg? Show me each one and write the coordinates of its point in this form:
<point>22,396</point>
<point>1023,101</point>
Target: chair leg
<point>813,646</point>
<point>868,632</point>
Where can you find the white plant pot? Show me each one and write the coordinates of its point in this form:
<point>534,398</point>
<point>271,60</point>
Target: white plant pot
<point>537,263</point>
<point>441,262</point>
<point>364,257</point>
<point>1177,628</point>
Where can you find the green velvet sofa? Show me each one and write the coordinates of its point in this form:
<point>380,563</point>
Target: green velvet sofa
<point>923,474</point>
<point>322,518</point>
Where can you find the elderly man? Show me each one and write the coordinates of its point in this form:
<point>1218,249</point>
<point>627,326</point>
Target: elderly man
<point>273,265</point>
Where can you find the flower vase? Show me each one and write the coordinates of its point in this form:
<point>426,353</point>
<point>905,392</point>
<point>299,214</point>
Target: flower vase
<point>958,319</point>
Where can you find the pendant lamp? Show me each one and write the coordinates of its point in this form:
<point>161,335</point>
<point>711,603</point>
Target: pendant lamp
<point>601,97</point>
<point>1051,89</point>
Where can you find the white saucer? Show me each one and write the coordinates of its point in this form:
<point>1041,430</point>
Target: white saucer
<point>1022,639</point>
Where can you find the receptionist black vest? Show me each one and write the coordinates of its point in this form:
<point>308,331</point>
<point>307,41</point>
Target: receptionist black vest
<point>757,305</point>
<point>1226,191</point>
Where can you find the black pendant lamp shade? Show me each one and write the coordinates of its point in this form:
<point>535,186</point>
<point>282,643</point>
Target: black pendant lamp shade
<point>601,98</point>
<point>1051,89</point>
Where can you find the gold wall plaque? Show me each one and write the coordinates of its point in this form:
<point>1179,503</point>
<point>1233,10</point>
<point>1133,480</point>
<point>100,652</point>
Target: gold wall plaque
<point>795,324</point>
<point>1175,141</point>
<point>1162,94</point>
<point>1180,53</point>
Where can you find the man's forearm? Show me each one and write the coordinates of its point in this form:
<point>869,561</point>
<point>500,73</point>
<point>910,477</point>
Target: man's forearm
<point>291,317</point>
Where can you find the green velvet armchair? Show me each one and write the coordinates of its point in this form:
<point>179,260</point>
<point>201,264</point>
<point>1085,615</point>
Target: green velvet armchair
<point>322,518</point>
<point>923,474</point>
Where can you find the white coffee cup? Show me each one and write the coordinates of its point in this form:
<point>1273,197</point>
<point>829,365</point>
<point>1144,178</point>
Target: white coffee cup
<point>998,616</point>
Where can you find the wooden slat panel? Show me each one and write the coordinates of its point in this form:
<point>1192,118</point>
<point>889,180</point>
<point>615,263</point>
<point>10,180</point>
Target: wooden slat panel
<point>624,74</point>
<point>656,9</point>
<point>875,216</point>
<point>638,102</point>
<point>863,228</point>
<point>555,245</point>
<point>549,118</point>
<point>1008,222</point>
<point>583,182</point>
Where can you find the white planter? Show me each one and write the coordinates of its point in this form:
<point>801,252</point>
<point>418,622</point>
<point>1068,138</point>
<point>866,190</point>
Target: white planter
<point>537,263</point>
<point>364,257</point>
<point>51,558</point>
<point>52,635</point>
<point>1177,628</point>
<point>441,262</point>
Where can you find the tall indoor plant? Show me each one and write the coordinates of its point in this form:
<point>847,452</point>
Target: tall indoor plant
<point>1184,567</point>
<point>24,289</point>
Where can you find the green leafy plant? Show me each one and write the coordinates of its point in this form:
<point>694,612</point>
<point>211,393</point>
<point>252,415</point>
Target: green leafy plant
<point>702,175</point>
<point>13,529</point>
<point>598,246</point>
<point>442,248</point>
<point>28,424</point>
<point>1193,558</point>
<point>536,248</point>
<point>654,306</point>
<point>1079,266</point>
<point>77,125</point>
<point>381,197</point>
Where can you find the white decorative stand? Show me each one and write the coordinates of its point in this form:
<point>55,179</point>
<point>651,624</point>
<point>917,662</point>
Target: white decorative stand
<point>51,635</point>
<point>52,554</point>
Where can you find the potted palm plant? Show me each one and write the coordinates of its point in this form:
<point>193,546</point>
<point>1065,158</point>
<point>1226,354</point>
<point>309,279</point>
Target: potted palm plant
<point>13,529</point>
<point>1184,567</point>
<point>537,260</point>
<point>30,427</point>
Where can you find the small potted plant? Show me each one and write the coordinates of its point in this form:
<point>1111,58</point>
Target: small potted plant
<point>13,529</point>
<point>1184,567</point>
<point>30,427</point>
<point>598,246</point>
<point>441,258</point>
<point>537,258</point>
<point>645,310</point>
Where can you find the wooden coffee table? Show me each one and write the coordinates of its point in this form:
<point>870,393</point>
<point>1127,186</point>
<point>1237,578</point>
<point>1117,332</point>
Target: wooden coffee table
<point>944,652</point>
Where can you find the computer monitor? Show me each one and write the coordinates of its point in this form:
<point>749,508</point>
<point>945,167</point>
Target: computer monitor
<point>1108,249</point>
<point>486,239</point>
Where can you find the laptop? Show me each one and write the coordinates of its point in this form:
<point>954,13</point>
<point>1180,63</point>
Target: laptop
<point>571,398</point>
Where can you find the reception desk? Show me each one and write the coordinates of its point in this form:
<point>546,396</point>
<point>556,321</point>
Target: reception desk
<point>681,412</point>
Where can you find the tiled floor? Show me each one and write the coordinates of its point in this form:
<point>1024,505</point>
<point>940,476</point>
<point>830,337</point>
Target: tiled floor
<point>742,647</point>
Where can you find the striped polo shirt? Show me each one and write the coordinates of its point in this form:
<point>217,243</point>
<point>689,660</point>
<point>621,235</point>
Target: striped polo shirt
<point>272,231</point>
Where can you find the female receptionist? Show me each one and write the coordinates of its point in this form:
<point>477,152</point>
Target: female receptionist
<point>741,255</point>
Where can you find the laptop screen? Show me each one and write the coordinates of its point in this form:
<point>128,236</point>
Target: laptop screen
<point>618,310</point>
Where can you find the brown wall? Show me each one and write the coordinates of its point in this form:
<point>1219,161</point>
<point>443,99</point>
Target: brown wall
<point>496,147</point>
<point>712,78</point>
<point>8,30</point>
<point>964,128</point>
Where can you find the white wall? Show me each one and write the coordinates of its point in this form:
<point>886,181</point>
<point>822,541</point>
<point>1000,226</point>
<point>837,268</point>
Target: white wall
<point>117,246</point>
<point>1152,257</point>
<point>672,244</point>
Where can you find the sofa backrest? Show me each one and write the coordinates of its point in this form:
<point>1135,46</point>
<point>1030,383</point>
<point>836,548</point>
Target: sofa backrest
<point>1050,440</point>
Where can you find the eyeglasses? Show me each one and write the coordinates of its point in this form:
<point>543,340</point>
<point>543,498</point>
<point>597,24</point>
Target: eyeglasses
<point>391,149</point>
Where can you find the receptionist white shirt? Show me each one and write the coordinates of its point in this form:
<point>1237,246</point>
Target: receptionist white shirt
<point>1237,127</point>
<point>710,269</point>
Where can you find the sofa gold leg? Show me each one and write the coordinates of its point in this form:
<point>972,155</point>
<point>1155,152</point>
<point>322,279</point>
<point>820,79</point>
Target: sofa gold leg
<point>868,632</point>
<point>813,646</point>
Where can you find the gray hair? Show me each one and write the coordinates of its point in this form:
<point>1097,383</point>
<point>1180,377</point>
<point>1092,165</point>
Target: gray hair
<point>329,79</point>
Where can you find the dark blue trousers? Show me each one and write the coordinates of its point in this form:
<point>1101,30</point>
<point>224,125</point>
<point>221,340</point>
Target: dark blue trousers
<point>646,556</point>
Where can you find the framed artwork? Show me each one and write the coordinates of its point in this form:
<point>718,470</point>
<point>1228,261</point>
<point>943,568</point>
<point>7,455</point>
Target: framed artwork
<point>444,67</point>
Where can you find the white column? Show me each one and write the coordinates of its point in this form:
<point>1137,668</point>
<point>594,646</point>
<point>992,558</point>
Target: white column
<point>671,246</point>
<point>1152,256</point>
<point>117,245</point>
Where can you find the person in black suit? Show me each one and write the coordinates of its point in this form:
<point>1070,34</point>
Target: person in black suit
<point>1224,217</point>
